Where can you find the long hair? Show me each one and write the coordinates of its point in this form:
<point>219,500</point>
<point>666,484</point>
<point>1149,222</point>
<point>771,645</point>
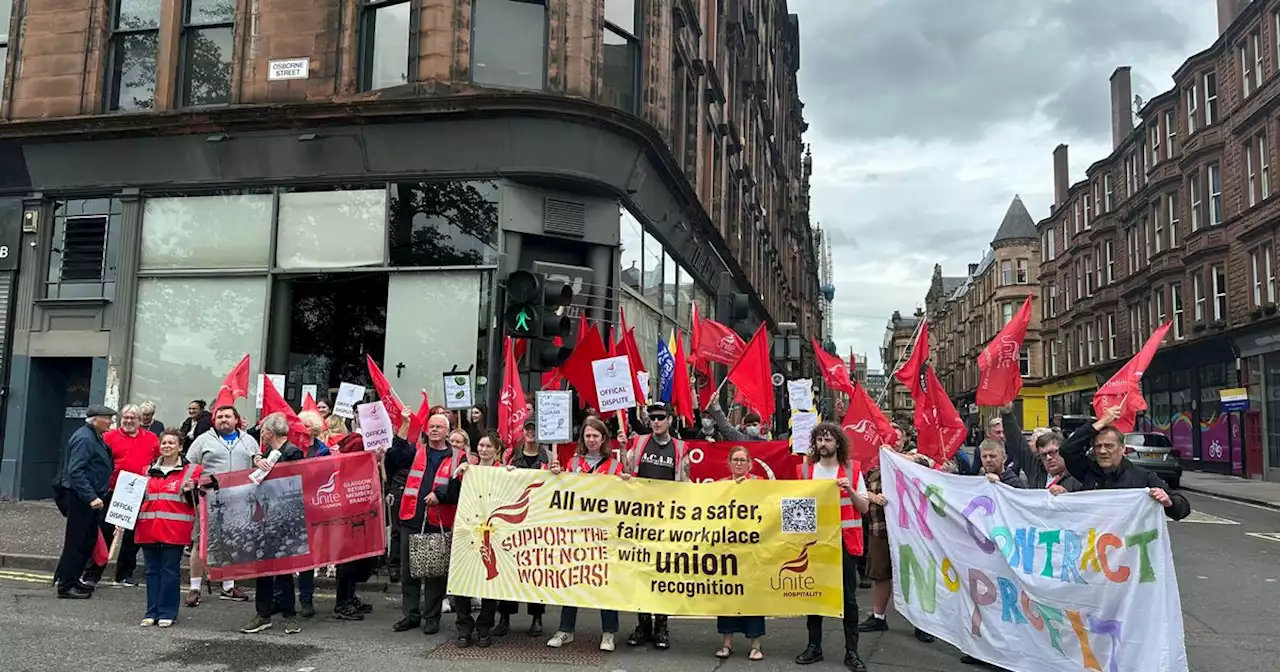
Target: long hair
<point>594,423</point>
<point>499,448</point>
<point>836,431</point>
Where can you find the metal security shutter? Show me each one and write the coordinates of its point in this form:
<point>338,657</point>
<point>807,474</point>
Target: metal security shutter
<point>6,287</point>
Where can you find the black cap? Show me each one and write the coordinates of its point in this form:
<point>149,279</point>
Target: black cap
<point>529,423</point>
<point>99,411</point>
<point>659,407</point>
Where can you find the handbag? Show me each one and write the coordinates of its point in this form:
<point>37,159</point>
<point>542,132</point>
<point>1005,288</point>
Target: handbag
<point>429,552</point>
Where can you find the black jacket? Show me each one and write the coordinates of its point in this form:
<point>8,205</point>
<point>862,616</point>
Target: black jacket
<point>1127,475</point>
<point>85,466</point>
<point>203,422</point>
<point>1025,458</point>
<point>400,457</point>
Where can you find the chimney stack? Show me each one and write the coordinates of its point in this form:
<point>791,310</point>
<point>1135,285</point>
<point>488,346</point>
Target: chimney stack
<point>1122,103</point>
<point>973,268</point>
<point>1228,10</point>
<point>1061,181</point>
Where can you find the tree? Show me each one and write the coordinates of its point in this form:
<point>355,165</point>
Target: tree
<point>443,224</point>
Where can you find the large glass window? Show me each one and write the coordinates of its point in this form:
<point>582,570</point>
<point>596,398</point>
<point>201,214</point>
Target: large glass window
<point>685,297</point>
<point>6,9</point>
<point>621,54</point>
<point>630,233</point>
<point>444,223</point>
<point>332,229</point>
<point>188,333</point>
<point>670,282</point>
<point>206,232</point>
<point>427,348</point>
<point>83,249</point>
<point>207,35</point>
<point>652,270</point>
<point>135,41</point>
<point>509,43</point>
<point>385,43</point>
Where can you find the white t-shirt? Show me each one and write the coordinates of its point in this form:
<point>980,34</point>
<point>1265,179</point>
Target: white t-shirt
<point>821,472</point>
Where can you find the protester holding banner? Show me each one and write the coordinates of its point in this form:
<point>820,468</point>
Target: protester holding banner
<point>1110,470</point>
<point>84,474</point>
<point>592,458</point>
<point>223,448</point>
<point>478,630</point>
<point>133,449</point>
<point>531,456</point>
<point>996,466</point>
<point>306,581</point>
<point>751,627</point>
<point>165,521</point>
<point>274,430</point>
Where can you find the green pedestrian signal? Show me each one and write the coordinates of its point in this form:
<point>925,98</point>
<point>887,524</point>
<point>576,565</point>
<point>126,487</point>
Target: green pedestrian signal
<point>522,320</point>
<point>536,308</point>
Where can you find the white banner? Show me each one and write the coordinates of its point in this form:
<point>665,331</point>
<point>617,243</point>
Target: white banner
<point>126,500</point>
<point>1032,582</point>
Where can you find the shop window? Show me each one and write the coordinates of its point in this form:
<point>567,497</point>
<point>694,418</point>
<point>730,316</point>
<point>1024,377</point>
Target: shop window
<point>230,231</point>
<point>685,296</point>
<point>331,229</point>
<point>188,333</point>
<point>428,348</point>
<point>631,235</point>
<point>509,43</point>
<point>651,268</point>
<point>208,28</point>
<point>444,223</point>
<point>670,285</point>
<point>82,251</point>
<point>621,54</point>
<point>385,38</point>
<point>135,40</point>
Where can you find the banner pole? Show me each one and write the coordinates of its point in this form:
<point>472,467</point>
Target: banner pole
<point>898,364</point>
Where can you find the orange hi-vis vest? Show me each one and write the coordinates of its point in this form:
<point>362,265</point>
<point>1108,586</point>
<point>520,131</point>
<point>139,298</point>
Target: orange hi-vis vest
<point>167,515</point>
<point>643,440</point>
<point>850,519</point>
<point>608,465</point>
<point>440,515</point>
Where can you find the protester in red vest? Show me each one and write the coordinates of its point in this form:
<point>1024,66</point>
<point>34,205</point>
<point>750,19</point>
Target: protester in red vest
<point>828,459</point>
<point>133,449</point>
<point>752,627</point>
<point>350,607</point>
<point>164,527</point>
<point>592,458</point>
<point>480,630</point>
<point>529,456</point>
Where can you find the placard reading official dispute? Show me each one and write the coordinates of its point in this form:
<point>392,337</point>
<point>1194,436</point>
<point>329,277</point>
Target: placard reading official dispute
<point>126,500</point>
<point>614,387</point>
<point>375,425</point>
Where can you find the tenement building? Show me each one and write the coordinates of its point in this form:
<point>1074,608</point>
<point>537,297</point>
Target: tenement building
<point>965,313</point>
<point>1178,224</point>
<point>899,337</point>
<point>308,182</point>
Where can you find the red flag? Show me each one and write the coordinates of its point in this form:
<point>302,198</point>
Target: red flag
<point>681,389</point>
<point>234,386</point>
<point>910,371</point>
<point>512,412</point>
<point>419,420</point>
<point>395,409</point>
<point>752,375</point>
<point>1000,377</point>
<point>834,370</point>
<point>949,426</point>
<point>718,343</point>
<point>309,404</point>
<point>552,379</point>
<point>939,429</point>
<point>867,428</point>
<point>632,351</point>
<point>577,369</point>
<point>1125,388</point>
<point>273,402</point>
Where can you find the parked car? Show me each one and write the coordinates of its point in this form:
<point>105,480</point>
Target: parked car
<point>1155,453</point>
<point>1071,423</point>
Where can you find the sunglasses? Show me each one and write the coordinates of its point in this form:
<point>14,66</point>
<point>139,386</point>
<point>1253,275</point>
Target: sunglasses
<point>659,417</point>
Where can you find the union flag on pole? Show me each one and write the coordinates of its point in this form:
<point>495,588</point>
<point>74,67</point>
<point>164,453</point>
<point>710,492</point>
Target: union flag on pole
<point>1000,377</point>
<point>867,428</point>
<point>939,428</point>
<point>834,370</point>
<point>512,412</point>
<point>1125,388</point>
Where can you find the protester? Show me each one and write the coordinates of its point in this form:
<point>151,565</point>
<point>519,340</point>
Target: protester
<point>474,424</point>
<point>349,607</point>
<point>322,405</point>
<point>221,449</point>
<point>996,467</point>
<point>1111,470</point>
<point>430,508</point>
<point>80,488</point>
<point>149,422</point>
<point>478,630</point>
<point>275,432</point>
<point>335,430</point>
<point>530,456</point>
<point>164,525</point>
<point>751,627</point>
<point>197,423</point>
<point>318,448</point>
<point>133,449</point>
<point>662,457</point>
<point>592,458</point>
<point>1027,456</point>
<point>828,459</point>
<point>1059,481</point>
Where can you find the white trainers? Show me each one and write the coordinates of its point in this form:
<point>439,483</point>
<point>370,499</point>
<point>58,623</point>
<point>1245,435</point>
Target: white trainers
<point>606,641</point>
<point>165,623</point>
<point>147,622</point>
<point>560,639</point>
<point>447,606</point>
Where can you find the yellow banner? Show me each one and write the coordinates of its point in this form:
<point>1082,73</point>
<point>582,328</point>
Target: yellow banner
<point>761,548</point>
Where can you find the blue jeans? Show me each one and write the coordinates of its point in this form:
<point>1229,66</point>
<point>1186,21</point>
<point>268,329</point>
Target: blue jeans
<point>569,620</point>
<point>307,586</point>
<point>164,572</point>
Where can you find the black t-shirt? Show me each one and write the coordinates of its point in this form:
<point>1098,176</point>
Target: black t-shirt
<point>658,461</point>
<point>522,461</point>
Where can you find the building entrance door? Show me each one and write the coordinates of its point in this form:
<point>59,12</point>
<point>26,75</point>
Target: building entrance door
<point>58,402</point>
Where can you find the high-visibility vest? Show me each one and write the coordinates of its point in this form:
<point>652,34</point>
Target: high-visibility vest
<point>439,514</point>
<point>167,515</point>
<point>850,519</point>
<point>580,465</point>
<point>642,441</point>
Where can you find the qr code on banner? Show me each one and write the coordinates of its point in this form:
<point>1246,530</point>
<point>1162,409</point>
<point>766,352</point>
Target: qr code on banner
<point>799,515</point>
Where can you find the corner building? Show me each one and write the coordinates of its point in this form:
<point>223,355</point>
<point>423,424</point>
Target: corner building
<point>186,181</point>
<point>1178,224</point>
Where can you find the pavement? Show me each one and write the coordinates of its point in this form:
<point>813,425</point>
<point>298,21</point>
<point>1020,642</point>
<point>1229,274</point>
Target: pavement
<point>1250,491</point>
<point>1226,556</point>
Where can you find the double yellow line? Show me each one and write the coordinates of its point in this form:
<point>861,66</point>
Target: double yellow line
<point>26,577</point>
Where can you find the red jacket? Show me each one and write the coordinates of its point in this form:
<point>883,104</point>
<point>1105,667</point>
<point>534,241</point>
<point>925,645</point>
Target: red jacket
<point>168,511</point>
<point>133,454</point>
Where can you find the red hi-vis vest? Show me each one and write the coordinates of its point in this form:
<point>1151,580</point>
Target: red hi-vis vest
<point>850,519</point>
<point>643,440</point>
<point>580,465</point>
<point>166,515</point>
<point>440,515</point>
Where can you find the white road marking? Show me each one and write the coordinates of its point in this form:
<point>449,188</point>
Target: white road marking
<point>1269,536</point>
<point>1208,519</point>
<point>1236,502</point>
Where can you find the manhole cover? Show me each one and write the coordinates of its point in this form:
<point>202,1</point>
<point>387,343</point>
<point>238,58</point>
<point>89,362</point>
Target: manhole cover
<point>243,655</point>
<point>518,648</point>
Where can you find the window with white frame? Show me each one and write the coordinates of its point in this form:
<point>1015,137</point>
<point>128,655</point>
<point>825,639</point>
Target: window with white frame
<point>1087,207</point>
<point>1108,253</point>
<point>1088,337</point>
<point>1088,276</point>
<point>1197,291</point>
<point>1170,134</point>
<point>1264,282</point>
<point>1197,201</point>
<point>1108,192</point>
<point>1079,282</point>
<point>1053,357</point>
<point>1250,174</point>
<point>1006,273</point>
<point>1156,244</point>
<point>1053,300</point>
<point>1111,335</point>
<point>1053,247</point>
<point>1175,294</point>
<point>1215,194</point>
<point>1133,327</point>
<point>1171,214</point>
<point>1264,166</point>
<point>1044,247</point>
<point>1131,240</point>
<point>1080,343</point>
<point>1255,41</point>
<point>1024,362</point>
<point>1006,313</point>
<point>1246,70</point>
<point>1101,336</point>
<point>1192,110</point>
<point>1154,144</point>
<point>1141,164</point>
<point>1210,98</point>
<point>1097,266</point>
<point>1219,275</point>
<point>1021,271</point>
<point>1160,306</point>
<point>1076,228</point>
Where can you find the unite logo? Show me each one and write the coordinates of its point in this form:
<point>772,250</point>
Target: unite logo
<point>793,579</point>
<point>1008,353</point>
<point>326,496</point>
<point>866,429</point>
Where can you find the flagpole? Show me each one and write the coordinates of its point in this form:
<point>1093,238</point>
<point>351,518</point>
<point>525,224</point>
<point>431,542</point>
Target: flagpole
<point>898,364</point>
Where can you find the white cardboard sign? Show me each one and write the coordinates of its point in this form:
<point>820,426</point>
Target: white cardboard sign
<point>555,416</point>
<point>126,500</point>
<point>614,384</point>
<point>349,394</point>
<point>375,425</point>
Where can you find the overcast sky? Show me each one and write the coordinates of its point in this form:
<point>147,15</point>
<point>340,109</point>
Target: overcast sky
<point>928,116</point>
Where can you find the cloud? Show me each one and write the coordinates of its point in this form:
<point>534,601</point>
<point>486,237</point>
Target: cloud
<point>928,116</point>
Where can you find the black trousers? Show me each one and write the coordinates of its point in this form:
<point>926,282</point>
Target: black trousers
<point>351,574</point>
<point>814,623</point>
<point>78,539</point>
<point>513,608</point>
<point>468,625</point>
<point>420,599</point>
<point>127,560</point>
<point>271,592</point>
<point>393,548</point>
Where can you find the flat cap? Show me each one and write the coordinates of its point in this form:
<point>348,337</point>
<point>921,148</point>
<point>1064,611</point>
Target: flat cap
<point>99,411</point>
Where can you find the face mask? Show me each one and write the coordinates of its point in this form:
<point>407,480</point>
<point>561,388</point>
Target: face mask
<point>753,430</point>
<point>708,423</point>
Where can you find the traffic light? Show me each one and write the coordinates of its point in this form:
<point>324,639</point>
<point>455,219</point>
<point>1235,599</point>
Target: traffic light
<point>739,313</point>
<point>536,310</point>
